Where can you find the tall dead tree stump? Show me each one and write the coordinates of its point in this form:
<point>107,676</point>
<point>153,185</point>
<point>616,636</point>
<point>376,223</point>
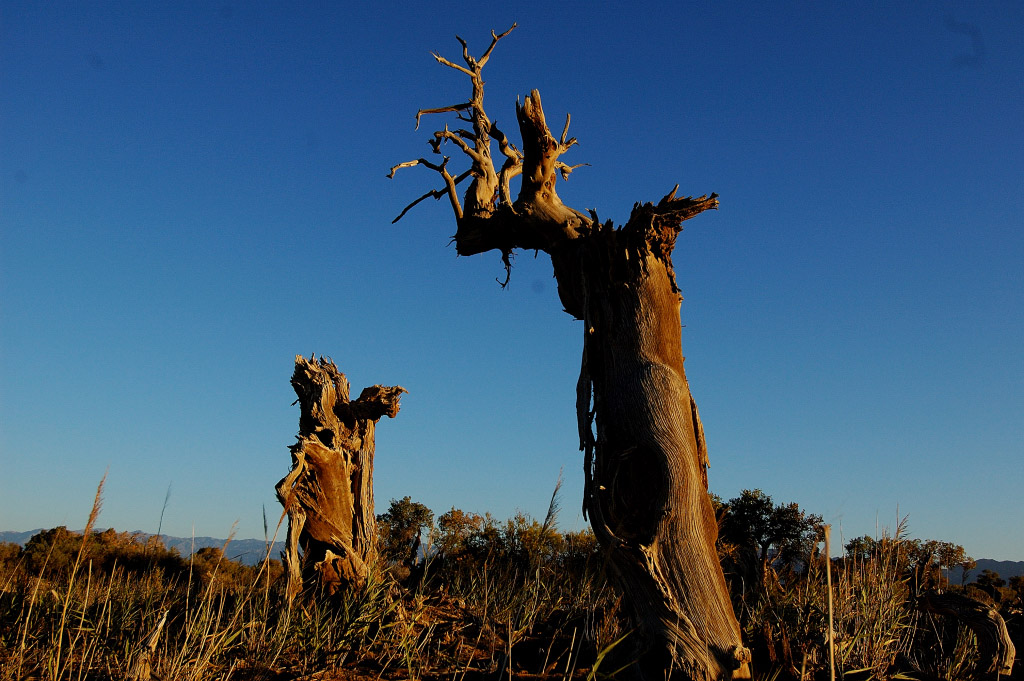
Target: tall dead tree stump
<point>328,493</point>
<point>644,454</point>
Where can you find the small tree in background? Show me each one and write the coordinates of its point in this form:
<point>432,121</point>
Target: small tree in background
<point>931,557</point>
<point>990,579</point>
<point>401,528</point>
<point>55,548</point>
<point>765,533</point>
<point>995,587</point>
<point>455,529</point>
<point>1016,584</point>
<point>966,566</point>
<point>861,548</point>
<point>10,555</point>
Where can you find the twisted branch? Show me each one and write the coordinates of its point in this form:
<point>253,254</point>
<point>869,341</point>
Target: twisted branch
<point>449,181</point>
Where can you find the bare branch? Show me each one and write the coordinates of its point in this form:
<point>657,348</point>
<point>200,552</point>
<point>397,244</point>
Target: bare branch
<point>443,135</point>
<point>541,150</point>
<point>565,131</point>
<point>450,184</point>
<point>512,167</point>
<point>494,41</point>
<point>465,53</point>
<point>546,220</point>
<point>564,169</point>
<point>443,109</point>
<point>453,65</point>
<point>435,194</point>
<point>485,189</point>
<point>507,148</point>
<point>410,164</point>
<point>509,170</point>
<point>447,134</point>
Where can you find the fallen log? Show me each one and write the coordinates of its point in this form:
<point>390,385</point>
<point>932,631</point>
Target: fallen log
<point>995,649</point>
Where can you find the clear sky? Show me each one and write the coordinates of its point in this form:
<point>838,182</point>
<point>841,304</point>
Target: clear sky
<point>194,192</point>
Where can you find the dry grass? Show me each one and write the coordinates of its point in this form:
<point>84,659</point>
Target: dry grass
<point>218,620</point>
<point>879,634</point>
<point>529,603</point>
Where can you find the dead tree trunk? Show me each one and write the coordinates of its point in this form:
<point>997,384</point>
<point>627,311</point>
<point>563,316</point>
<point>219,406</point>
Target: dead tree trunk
<point>646,483</point>
<point>328,494</point>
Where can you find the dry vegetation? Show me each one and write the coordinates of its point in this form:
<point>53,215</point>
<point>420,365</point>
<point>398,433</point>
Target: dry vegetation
<point>490,600</point>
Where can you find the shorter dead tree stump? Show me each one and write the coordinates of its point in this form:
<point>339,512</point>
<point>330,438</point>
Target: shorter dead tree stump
<point>328,493</point>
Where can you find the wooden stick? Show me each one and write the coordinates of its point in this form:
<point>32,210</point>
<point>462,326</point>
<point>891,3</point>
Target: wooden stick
<point>828,581</point>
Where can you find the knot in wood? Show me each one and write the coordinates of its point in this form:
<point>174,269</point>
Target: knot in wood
<point>739,656</point>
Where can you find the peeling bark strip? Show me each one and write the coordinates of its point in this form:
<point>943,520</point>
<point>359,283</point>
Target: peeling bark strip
<point>328,494</point>
<point>995,649</point>
<point>645,465</point>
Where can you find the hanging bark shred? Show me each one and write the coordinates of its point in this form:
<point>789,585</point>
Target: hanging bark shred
<point>995,649</point>
<point>645,458</point>
<point>328,493</point>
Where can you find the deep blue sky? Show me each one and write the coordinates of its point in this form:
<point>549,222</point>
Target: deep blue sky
<point>192,193</point>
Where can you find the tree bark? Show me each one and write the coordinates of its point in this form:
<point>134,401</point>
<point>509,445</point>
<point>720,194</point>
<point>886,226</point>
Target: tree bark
<point>328,493</point>
<point>645,465</point>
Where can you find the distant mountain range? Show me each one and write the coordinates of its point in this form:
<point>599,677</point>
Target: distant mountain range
<point>247,551</point>
<point>252,551</point>
<point>1004,568</point>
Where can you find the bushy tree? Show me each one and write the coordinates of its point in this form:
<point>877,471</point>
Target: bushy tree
<point>10,555</point>
<point>861,548</point>
<point>990,578</point>
<point>930,557</point>
<point>519,542</point>
<point>455,530</point>
<point>53,550</point>
<point>580,552</point>
<point>216,569</point>
<point>401,527</point>
<point>528,543</point>
<point>765,533</point>
<point>965,569</point>
<point>1017,585</point>
<point>992,584</point>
